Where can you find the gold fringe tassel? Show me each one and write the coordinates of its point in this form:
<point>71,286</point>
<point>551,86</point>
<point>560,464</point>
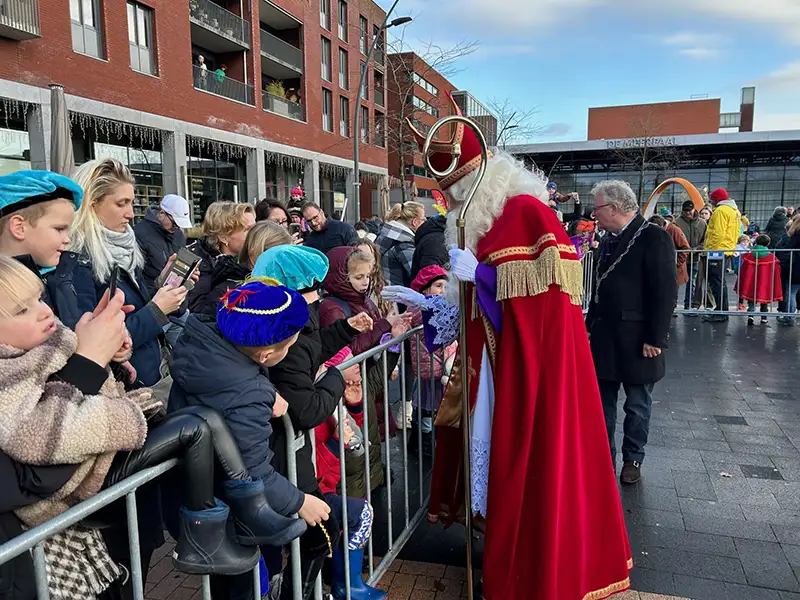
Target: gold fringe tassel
<point>521,278</point>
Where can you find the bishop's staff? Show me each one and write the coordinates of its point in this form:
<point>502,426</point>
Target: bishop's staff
<point>460,223</point>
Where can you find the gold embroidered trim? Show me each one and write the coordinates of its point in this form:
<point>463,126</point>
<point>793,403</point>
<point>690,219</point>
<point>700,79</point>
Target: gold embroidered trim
<point>462,172</point>
<point>491,340</point>
<point>519,278</point>
<point>531,250</point>
<point>614,588</point>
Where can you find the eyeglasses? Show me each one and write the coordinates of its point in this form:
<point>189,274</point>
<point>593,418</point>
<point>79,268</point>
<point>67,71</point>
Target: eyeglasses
<point>599,206</point>
<point>314,218</point>
<point>282,222</point>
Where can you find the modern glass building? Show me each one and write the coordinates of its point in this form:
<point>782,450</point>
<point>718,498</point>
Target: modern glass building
<point>760,170</point>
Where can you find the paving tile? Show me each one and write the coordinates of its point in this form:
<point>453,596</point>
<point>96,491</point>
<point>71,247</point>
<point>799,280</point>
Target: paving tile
<point>737,490</point>
<point>787,535</point>
<point>656,582</point>
<point>410,567</point>
<point>654,518</point>
<point>694,485</point>
<point>710,457</point>
<point>705,566</point>
<point>757,472</point>
<point>725,420</point>
<point>691,541</point>
<point>727,510</point>
<point>657,476</point>
<point>788,596</point>
<point>766,449</point>
<point>773,516</point>
<point>699,589</point>
<point>658,499</point>
<point>729,527</point>
<point>167,586</point>
<point>746,592</point>
<point>765,565</point>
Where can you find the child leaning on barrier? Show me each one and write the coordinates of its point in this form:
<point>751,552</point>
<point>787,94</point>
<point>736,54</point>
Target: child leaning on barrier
<point>61,406</point>
<point>359,511</point>
<point>759,278</point>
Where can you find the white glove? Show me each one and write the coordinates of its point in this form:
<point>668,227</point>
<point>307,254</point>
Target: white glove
<point>463,264</point>
<point>403,295</point>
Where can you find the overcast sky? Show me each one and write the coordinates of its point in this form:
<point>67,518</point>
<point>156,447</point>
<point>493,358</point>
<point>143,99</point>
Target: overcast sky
<point>563,56</point>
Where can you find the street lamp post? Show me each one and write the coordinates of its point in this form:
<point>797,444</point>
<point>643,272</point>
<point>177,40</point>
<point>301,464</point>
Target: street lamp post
<point>356,125</point>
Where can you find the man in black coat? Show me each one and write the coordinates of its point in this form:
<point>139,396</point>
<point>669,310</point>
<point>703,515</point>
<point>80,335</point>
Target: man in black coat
<point>629,316</point>
<point>326,234</point>
<point>429,246</point>
<point>160,236</point>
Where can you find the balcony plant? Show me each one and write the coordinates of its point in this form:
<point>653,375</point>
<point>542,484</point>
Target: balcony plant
<point>275,88</point>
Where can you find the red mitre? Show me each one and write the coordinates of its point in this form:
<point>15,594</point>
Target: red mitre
<point>462,144</point>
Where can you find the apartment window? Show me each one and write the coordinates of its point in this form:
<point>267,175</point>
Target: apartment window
<point>87,36</point>
<point>140,38</point>
<point>422,105</point>
<point>379,47</point>
<point>344,70</point>
<point>325,14</point>
<point>326,59</point>
<point>344,116</point>
<point>366,80</point>
<point>343,20</point>
<point>327,110</point>
<point>380,130</point>
<point>364,39</point>
<point>364,125</point>
<point>425,84</point>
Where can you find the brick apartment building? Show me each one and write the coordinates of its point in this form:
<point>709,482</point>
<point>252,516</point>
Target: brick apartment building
<point>417,91</point>
<point>279,114</point>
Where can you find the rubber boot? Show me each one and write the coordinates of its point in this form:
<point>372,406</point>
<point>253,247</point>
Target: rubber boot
<point>204,547</point>
<point>256,522</point>
<point>358,589</point>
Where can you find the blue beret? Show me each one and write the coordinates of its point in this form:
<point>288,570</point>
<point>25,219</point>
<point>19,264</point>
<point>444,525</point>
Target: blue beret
<point>552,186</point>
<point>22,189</point>
<point>296,267</point>
<point>257,314</point>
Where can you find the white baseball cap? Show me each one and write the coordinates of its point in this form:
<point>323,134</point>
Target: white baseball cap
<point>178,208</point>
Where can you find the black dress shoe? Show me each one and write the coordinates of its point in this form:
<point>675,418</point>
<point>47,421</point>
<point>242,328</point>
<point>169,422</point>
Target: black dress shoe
<point>631,472</point>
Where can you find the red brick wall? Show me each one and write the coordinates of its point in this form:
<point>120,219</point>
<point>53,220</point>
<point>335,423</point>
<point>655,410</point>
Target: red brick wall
<point>670,118</point>
<point>50,59</point>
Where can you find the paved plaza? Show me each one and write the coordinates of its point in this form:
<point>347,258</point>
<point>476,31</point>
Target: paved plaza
<point>717,513</point>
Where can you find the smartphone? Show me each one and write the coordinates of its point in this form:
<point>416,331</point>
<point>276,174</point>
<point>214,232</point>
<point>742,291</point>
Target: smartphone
<point>185,264</point>
<point>112,282</point>
<point>295,228</point>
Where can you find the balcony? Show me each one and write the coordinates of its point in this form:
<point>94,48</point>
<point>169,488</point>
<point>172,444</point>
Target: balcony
<point>219,85</point>
<point>216,28</point>
<point>283,107</point>
<point>380,57</point>
<point>379,98</point>
<point>279,59</point>
<point>19,19</point>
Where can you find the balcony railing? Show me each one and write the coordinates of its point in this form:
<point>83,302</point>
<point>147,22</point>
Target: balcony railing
<point>283,107</point>
<point>379,98</point>
<point>284,53</point>
<point>223,22</point>
<point>220,85</point>
<point>19,19</point>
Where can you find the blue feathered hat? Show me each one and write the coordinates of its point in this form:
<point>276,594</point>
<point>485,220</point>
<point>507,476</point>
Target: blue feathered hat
<point>258,313</point>
<point>22,189</point>
<point>296,267</point>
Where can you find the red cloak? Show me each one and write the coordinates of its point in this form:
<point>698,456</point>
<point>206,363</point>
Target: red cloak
<point>554,523</point>
<point>760,279</point>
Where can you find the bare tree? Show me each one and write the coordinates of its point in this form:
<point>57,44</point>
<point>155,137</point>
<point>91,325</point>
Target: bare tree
<point>514,125</point>
<point>400,79</point>
<point>646,151</point>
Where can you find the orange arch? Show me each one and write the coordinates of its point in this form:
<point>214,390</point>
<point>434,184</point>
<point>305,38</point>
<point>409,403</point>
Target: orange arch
<point>649,209</point>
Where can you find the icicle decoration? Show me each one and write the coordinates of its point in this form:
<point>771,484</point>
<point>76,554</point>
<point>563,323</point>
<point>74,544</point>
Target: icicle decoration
<point>334,172</point>
<point>109,129</point>
<point>17,110</point>
<point>216,149</point>
<point>284,160</point>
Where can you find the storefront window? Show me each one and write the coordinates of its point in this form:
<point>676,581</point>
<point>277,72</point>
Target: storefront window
<point>14,151</point>
<point>212,179</point>
<point>281,180</point>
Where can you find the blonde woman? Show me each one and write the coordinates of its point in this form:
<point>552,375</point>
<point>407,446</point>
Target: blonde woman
<point>230,271</point>
<point>225,228</point>
<point>102,238</point>
<point>396,242</point>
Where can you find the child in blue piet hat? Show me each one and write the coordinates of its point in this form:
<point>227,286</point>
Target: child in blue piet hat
<point>222,363</point>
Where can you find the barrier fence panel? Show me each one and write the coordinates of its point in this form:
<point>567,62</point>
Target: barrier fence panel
<point>725,283</point>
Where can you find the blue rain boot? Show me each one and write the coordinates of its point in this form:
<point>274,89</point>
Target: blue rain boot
<point>256,522</point>
<point>204,547</point>
<point>358,589</point>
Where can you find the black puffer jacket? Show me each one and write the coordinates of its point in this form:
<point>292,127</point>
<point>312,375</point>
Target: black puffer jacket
<point>429,246</point>
<point>228,273</point>
<point>196,297</point>
<point>157,245</point>
<point>310,404</point>
<point>776,229</point>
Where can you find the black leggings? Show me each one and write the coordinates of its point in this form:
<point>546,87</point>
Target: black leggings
<point>197,435</point>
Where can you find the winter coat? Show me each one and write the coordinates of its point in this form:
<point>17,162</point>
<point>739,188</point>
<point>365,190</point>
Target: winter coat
<point>326,443</point>
<point>396,243</point>
<point>776,229</point>
<point>425,356</point>
<point>310,403</point>
<point>681,243</point>
<point>208,259</point>
<point>157,245</point>
<point>724,227</point>
<point>228,273</point>
<point>694,230</point>
<point>429,246</point>
<point>335,234</point>
<point>790,261</point>
<point>74,290</point>
<point>635,305</point>
<point>207,370</point>
<point>342,302</point>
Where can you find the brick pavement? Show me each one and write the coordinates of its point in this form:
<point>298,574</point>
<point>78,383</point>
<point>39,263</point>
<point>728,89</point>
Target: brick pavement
<point>717,513</point>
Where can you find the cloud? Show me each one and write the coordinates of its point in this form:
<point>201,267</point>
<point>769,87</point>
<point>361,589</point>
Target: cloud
<point>783,79</point>
<point>700,46</point>
<point>555,130</point>
<point>765,121</point>
<point>700,53</point>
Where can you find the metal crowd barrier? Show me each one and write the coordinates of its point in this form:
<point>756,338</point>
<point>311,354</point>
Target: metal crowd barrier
<point>587,260</point>
<point>709,290</point>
